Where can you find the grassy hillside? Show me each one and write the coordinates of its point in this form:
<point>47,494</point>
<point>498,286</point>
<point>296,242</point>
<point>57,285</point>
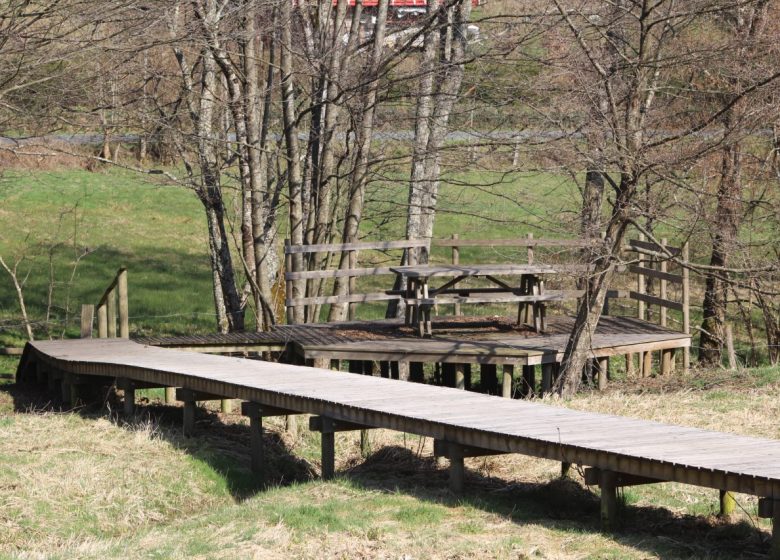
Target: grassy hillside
<point>158,231</point>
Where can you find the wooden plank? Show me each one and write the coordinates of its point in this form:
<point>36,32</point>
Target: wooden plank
<point>430,271</point>
<point>350,272</point>
<point>652,273</point>
<point>354,298</point>
<point>515,242</point>
<point>634,244</point>
<point>653,300</point>
<point>365,245</point>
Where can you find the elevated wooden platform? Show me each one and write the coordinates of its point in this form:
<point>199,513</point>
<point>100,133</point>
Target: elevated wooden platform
<point>489,340</point>
<point>624,450</point>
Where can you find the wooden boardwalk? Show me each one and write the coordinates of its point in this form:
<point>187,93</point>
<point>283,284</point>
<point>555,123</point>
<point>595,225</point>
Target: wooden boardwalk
<point>619,451</point>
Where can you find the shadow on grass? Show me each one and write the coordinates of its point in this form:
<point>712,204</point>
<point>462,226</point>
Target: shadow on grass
<point>562,505</point>
<point>222,446</point>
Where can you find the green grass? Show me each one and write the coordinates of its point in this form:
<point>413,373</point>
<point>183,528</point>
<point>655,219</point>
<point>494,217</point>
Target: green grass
<point>158,232</point>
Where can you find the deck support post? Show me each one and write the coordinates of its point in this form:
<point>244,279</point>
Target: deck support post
<point>769,508</point>
<point>257,451</point>
<point>65,390</point>
<point>506,381</point>
<point>603,369</point>
<point>774,554</point>
<point>226,406</point>
<point>548,371</point>
<point>254,412</point>
<point>129,399</point>
<point>455,453</point>
<point>188,414</point>
<point>403,371</point>
<point>327,448</point>
<point>608,483</point>
<point>529,381</point>
<point>727,504</point>
<point>647,363</point>
<point>630,371</point>
<point>188,418</point>
<point>565,468</point>
<point>667,357</point>
<point>170,395</point>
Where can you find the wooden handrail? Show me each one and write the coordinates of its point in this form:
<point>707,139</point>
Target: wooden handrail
<point>108,312</point>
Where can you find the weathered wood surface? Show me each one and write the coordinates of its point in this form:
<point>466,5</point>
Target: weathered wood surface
<point>614,336</point>
<point>626,445</point>
<point>445,270</point>
<point>367,245</point>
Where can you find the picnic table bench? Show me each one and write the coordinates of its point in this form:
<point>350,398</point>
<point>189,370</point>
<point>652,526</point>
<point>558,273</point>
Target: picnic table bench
<point>420,297</point>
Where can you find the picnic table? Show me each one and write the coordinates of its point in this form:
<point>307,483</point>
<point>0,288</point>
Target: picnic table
<point>528,290</point>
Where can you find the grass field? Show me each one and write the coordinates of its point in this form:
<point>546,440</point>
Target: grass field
<point>158,232</point>
<point>88,484</point>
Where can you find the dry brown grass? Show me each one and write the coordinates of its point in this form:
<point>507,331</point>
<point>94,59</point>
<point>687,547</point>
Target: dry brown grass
<point>81,486</point>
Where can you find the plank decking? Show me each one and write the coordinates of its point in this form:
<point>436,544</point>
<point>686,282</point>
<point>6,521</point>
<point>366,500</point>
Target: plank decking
<point>650,450</point>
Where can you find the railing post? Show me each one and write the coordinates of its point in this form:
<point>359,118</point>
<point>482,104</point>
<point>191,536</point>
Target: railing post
<point>124,318</point>
<point>111,306</point>
<point>351,307</point>
<point>686,303</point>
<point>87,317</point>
<point>663,291</point>
<point>288,290</point>
<point>102,321</point>
<point>640,284</point>
<point>456,260</point>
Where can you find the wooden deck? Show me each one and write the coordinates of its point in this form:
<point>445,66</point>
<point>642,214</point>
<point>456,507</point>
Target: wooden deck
<point>478,341</point>
<point>624,450</point>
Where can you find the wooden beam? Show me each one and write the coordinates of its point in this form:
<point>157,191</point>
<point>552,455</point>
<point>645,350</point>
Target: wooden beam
<point>185,395</point>
<point>443,448</point>
<point>592,477</point>
<point>257,410</point>
<point>319,423</point>
<point>366,245</point>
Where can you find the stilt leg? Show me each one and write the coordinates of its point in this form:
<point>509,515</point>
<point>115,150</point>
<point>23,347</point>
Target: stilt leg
<point>506,382</point>
<point>328,449</point>
<point>608,500</point>
<point>456,468</point>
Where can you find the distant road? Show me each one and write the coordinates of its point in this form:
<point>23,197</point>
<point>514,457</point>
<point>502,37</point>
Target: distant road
<point>458,136</point>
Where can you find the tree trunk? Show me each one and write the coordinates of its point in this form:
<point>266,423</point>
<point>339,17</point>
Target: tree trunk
<point>359,176</point>
<point>292,147</point>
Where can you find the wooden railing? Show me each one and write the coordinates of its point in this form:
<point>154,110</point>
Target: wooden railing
<point>112,309</point>
<point>354,272</point>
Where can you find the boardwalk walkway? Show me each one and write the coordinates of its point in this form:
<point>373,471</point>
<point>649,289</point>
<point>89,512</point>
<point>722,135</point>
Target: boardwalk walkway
<point>621,451</point>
